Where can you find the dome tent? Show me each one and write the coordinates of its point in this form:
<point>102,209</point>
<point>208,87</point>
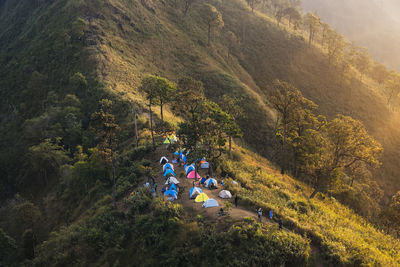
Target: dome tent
<point>194,192</point>
<point>168,166</point>
<point>225,194</point>
<point>201,198</point>
<point>209,203</point>
<point>211,181</point>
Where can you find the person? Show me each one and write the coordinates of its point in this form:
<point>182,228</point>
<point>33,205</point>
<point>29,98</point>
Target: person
<point>280,224</point>
<point>147,184</point>
<point>236,201</point>
<point>155,186</point>
<point>163,190</point>
<point>153,192</point>
<point>271,213</point>
<point>259,212</point>
<point>222,183</point>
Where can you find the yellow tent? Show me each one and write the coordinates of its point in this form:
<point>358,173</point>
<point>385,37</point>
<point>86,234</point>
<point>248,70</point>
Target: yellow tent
<point>201,198</point>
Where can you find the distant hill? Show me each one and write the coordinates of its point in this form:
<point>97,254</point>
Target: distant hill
<point>374,24</point>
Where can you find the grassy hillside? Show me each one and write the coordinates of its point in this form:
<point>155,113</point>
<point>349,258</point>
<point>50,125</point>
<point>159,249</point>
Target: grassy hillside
<point>243,60</point>
<point>59,58</point>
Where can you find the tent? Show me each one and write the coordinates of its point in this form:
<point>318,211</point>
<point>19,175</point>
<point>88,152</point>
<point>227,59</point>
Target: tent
<point>173,187</point>
<point>202,161</point>
<point>189,169</point>
<point>225,194</point>
<point>183,157</point>
<point>193,175</point>
<point>209,203</point>
<point>166,141</point>
<point>234,182</point>
<point>201,198</point>
<point>171,193</point>
<point>194,192</point>
<point>163,160</point>
<point>205,165</point>
<point>168,166</point>
<point>169,172</point>
<point>211,181</point>
<point>172,138</point>
<point>203,180</point>
<point>172,180</point>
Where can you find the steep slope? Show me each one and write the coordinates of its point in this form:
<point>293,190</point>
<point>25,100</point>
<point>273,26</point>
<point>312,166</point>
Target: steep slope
<point>115,43</point>
<point>245,57</point>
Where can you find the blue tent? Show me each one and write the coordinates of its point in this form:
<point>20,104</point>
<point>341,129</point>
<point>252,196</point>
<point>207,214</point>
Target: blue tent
<point>171,193</point>
<point>183,158</point>
<point>189,169</point>
<point>203,180</point>
<point>210,203</point>
<point>173,187</point>
<point>193,192</point>
<point>169,172</point>
<point>211,181</point>
<point>176,153</point>
<point>168,166</point>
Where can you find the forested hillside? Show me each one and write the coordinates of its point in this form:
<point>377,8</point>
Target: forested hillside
<point>81,119</point>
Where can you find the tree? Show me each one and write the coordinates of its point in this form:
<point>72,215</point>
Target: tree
<point>312,22</point>
<point>346,143</point>
<point>363,62</point>
<point>165,92</point>
<point>8,248</point>
<point>293,14</point>
<point>103,124</point>
<point>392,86</point>
<point>213,18</point>
<point>379,73</point>
<point>252,4</point>
<point>149,87</point>
<point>187,4</point>
<point>206,136</point>
<point>335,44</point>
<point>231,106</point>
<point>46,158</point>
<point>286,99</point>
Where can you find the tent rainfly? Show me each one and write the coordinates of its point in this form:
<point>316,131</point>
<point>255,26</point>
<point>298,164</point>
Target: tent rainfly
<point>171,193</point>
<point>201,198</point>
<point>169,172</point>
<point>205,165</point>
<point>172,180</point>
<point>211,181</point>
<point>193,175</point>
<point>163,160</point>
<point>225,194</point>
<point>194,192</point>
<point>168,166</point>
<point>209,203</point>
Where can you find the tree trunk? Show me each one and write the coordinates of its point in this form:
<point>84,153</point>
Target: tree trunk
<point>209,35</point>
<point>114,189</point>
<point>161,111</point>
<point>314,193</point>
<point>151,126</point>
<point>230,145</point>
<point>136,131</point>
<point>210,168</point>
<point>283,167</point>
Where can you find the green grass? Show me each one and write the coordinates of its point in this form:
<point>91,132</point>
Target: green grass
<point>343,237</point>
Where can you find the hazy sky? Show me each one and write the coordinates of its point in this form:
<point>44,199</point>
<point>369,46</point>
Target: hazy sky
<point>374,24</point>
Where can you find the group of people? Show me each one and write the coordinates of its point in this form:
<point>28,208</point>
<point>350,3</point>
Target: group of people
<point>271,214</point>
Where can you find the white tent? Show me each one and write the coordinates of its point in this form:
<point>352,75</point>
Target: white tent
<point>234,182</point>
<point>172,180</point>
<point>225,194</point>
<point>209,203</point>
<point>163,159</point>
